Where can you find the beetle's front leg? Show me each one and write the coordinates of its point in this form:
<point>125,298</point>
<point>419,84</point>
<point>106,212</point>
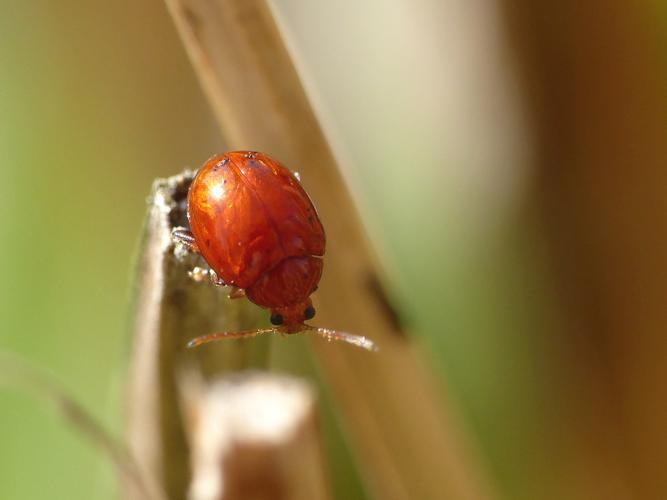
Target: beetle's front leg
<point>185,238</point>
<point>200,274</point>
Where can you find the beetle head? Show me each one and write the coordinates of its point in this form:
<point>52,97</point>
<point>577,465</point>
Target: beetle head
<point>290,319</point>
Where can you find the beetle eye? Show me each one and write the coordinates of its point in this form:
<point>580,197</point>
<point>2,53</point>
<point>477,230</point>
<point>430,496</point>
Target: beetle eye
<point>309,313</point>
<point>277,319</point>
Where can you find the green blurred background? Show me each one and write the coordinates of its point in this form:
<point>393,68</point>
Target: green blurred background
<point>509,164</point>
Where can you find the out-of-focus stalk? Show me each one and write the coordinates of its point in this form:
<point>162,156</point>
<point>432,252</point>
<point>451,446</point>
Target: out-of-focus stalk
<point>595,76</point>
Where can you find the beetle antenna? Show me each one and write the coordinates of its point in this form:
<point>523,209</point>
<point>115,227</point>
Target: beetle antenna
<point>205,339</point>
<point>329,335</point>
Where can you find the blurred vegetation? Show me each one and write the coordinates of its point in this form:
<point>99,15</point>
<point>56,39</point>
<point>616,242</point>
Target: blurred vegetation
<point>426,105</point>
<point>94,105</point>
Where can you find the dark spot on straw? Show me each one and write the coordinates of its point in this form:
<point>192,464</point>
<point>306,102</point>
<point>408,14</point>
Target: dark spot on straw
<point>377,291</point>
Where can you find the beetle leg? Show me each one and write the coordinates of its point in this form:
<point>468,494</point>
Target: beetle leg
<point>215,279</point>
<point>236,292</point>
<point>199,274</point>
<point>185,238</point>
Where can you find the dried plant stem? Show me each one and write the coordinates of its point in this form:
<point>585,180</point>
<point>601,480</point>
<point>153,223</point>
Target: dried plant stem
<point>407,442</point>
<point>170,309</point>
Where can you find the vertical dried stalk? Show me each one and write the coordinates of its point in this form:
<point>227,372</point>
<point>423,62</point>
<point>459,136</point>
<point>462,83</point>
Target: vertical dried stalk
<point>408,445</point>
<point>171,309</point>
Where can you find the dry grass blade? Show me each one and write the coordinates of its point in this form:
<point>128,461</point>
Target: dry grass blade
<point>406,440</point>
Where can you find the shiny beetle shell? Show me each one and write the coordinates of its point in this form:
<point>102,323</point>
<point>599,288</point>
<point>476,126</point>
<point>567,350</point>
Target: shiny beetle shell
<point>257,229</point>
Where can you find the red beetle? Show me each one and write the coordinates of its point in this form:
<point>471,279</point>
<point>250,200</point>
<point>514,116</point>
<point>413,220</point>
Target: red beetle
<point>259,232</point>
